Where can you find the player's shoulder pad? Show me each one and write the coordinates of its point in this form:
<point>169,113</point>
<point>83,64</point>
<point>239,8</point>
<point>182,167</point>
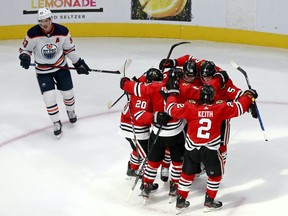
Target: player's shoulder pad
<point>60,29</point>
<point>219,101</point>
<point>192,101</point>
<point>35,31</point>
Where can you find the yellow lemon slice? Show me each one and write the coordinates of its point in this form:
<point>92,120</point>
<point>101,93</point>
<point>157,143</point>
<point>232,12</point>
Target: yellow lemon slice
<point>162,8</point>
<point>181,8</point>
<point>143,2</point>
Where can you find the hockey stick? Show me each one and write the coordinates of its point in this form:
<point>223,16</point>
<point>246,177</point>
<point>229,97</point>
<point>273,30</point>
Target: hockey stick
<point>171,49</point>
<point>141,153</point>
<point>111,104</point>
<point>249,86</point>
<point>141,168</point>
<point>137,144</point>
<point>73,68</point>
<point>137,179</point>
<point>127,64</point>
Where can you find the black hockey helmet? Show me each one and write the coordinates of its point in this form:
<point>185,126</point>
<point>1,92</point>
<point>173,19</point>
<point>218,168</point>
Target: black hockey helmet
<point>207,94</point>
<point>208,68</point>
<point>175,73</point>
<point>190,69</point>
<point>154,74</point>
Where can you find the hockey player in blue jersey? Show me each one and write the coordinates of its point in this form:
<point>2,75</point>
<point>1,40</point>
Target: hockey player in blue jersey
<point>51,44</point>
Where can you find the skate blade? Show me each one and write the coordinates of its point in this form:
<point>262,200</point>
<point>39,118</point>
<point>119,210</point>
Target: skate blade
<point>208,209</point>
<point>59,136</point>
<point>130,177</point>
<point>144,200</point>
<point>179,210</point>
<point>172,199</point>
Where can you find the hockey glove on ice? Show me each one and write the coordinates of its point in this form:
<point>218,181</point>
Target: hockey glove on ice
<point>161,118</point>
<point>25,60</point>
<point>82,67</point>
<point>169,64</point>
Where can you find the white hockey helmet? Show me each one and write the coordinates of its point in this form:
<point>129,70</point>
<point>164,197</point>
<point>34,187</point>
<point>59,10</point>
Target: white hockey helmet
<point>44,13</point>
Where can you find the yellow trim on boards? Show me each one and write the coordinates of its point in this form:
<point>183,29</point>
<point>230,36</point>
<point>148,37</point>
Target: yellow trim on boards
<point>145,30</point>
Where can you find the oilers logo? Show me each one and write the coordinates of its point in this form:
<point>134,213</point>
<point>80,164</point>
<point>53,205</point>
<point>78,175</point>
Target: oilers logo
<point>49,51</point>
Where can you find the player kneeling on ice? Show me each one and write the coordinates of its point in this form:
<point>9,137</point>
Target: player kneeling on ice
<point>51,44</point>
<point>204,118</point>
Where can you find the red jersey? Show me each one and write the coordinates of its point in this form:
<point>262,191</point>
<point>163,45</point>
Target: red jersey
<point>189,90</point>
<point>142,116</point>
<point>228,91</point>
<point>152,92</point>
<point>204,121</point>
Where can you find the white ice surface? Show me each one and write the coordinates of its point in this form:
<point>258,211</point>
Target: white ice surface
<point>83,173</point>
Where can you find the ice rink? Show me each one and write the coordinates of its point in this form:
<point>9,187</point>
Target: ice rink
<point>83,173</point>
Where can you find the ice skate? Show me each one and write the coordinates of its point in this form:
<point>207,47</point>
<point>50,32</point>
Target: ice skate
<point>72,116</point>
<point>172,192</point>
<point>181,204</point>
<point>211,205</point>
<point>147,189</point>
<point>164,174</point>
<point>130,172</point>
<point>58,129</point>
<point>154,188</point>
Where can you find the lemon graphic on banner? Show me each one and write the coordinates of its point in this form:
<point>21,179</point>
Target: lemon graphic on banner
<point>163,8</point>
<point>143,2</point>
<point>182,7</point>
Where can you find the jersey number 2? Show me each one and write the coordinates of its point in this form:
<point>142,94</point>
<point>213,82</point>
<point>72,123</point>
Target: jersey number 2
<point>202,131</point>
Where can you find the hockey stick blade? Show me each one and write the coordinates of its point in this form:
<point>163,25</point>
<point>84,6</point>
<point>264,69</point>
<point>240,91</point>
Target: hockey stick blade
<point>242,71</point>
<point>171,50</point>
<point>129,195</point>
<point>111,104</point>
<point>126,65</point>
<point>249,86</point>
<point>122,71</point>
<point>73,68</point>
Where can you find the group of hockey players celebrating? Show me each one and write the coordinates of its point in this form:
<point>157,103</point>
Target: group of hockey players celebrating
<point>181,112</point>
<point>177,117</point>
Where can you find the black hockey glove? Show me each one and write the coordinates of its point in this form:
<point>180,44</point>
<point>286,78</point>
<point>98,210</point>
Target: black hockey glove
<point>122,81</point>
<point>253,110</point>
<point>172,87</point>
<point>222,75</point>
<point>82,67</point>
<point>169,64</point>
<point>252,93</point>
<point>25,60</point>
<point>161,118</point>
